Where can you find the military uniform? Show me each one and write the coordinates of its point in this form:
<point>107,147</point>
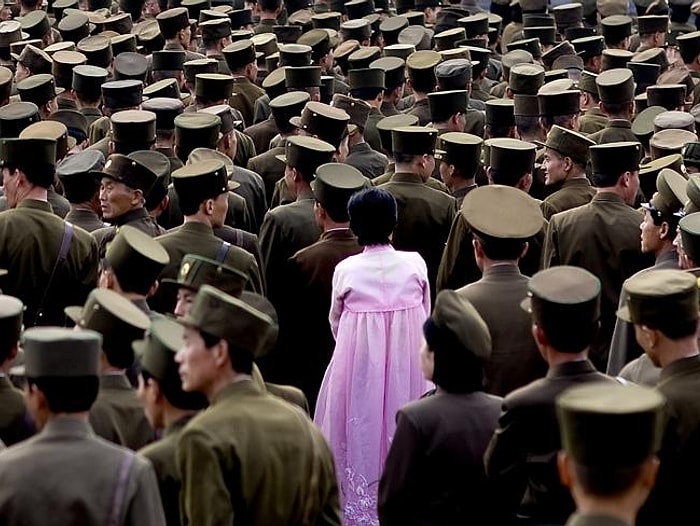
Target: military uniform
<point>592,121</point>
<point>369,161</point>
<point>371,133</point>
<point>237,216</point>
<point>269,167</point>
<point>262,133</point>
<point>245,93</point>
<point>92,114</point>
<point>137,218</point>
<point>521,458</point>
<point>616,130</point>
<point>114,485</point>
<point>573,193</point>
<point>420,109</point>
<point>15,423</point>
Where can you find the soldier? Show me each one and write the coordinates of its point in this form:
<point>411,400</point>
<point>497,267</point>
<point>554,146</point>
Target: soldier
<point>448,110</point>
<point>241,60</point>
<point>368,84</point>
<point>118,95</point>
<point>581,235</point>
<point>82,188</point>
<point>269,11</point>
<point>291,227</point>
<point>132,265</point>
<point>663,306</point>
<point>309,278</point>
<point>653,30</point>
<point>456,74</point>
<point>610,437</point>
<point>659,228</point>
<point>174,25</point>
<point>500,241</point>
<point>87,82</point>
<point>616,89</point>
<point>166,109</point>
<point>60,267</point>
<point>61,367</point>
<point>116,414</point>
<point>40,90</point>
<point>559,106</point>
<point>228,328</point>
<point>216,36</point>
<point>15,423</point>
<point>434,469</point>
<point>521,458</point>
<point>427,231</point>
<point>32,61</point>
<point>202,190</point>
<point>166,405</point>
<point>459,155</point>
<point>123,189</point>
<point>270,168</point>
<point>593,118</point>
<point>689,48</point>
<point>590,49</point>
<point>422,80</point>
<point>370,162</point>
<point>617,31</point>
<point>565,160</point>
<point>394,83</point>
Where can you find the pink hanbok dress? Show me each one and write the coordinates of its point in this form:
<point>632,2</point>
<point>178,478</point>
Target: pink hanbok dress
<point>381,298</point>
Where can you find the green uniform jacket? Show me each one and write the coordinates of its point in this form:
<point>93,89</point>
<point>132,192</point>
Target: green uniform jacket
<point>30,240</point>
<point>603,238</point>
<point>594,520</point>
<point>117,415</point>
<point>371,132</point>
<point>162,456</point>
<point>573,193</point>
<point>253,459</point>
<point>67,475</point>
<point>245,93</point>
<point>15,422</point>
<point>424,219</point>
<point>617,130</point>
<point>262,109</point>
<point>269,167</point>
<point>198,238</point>
<point>237,215</point>
<point>137,218</point>
<point>286,230</point>
<point>592,121</point>
<point>367,160</point>
<point>262,133</point>
<point>98,130</point>
<point>86,219</point>
<point>91,114</point>
<point>421,109</point>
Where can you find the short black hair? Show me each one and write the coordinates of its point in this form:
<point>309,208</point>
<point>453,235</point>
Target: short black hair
<point>241,361</point>
<point>373,216</point>
<point>155,196</point>
<point>42,175</point>
<point>616,108</point>
<point>423,85</point>
<point>527,124</point>
<point>606,481</point>
<point>125,148</point>
<point>85,98</point>
<point>366,93</point>
<point>74,394</point>
<point>189,205</point>
<point>164,74</point>
<point>500,249</point>
<point>570,336</point>
<point>270,5</point>
<point>172,390</point>
<point>498,131</point>
<point>675,329</point>
<point>118,354</point>
<point>506,177</point>
<point>560,120</point>
<point>81,192</point>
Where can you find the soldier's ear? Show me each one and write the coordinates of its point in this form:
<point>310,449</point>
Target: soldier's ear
<point>565,469</point>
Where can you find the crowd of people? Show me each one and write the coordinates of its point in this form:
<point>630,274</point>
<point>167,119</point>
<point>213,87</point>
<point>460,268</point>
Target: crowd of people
<point>282,262</point>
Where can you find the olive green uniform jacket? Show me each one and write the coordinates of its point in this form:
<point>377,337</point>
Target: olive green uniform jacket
<point>424,219</point>
<point>573,193</point>
<point>245,93</point>
<point>254,459</point>
<point>15,422</point>
<point>67,475</point>
<point>91,114</point>
<point>137,218</point>
<point>270,168</point>
<point>371,132</point>
<point>367,160</point>
<point>616,130</point>
<point>162,455</point>
<point>603,238</point>
<point>30,241</point>
<point>118,416</point>
<point>86,219</point>
<point>592,121</point>
<point>421,109</point>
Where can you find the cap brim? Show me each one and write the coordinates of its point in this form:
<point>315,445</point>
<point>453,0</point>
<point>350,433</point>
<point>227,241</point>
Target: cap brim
<point>352,128</point>
<point>439,154</point>
<point>18,370</point>
<point>15,57</point>
<point>73,313</point>
<point>296,121</point>
<point>281,157</point>
<point>232,185</point>
<point>526,305</point>
<point>542,145</point>
<point>624,314</point>
<point>139,347</point>
<point>58,91</point>
<point>71,143</point>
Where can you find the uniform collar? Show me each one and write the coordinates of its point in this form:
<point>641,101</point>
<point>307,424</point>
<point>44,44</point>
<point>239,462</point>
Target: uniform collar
<point>338,233</point>
<point>620,123</point>
<point>35,204</point>
<point>234,389</point>
<point>406,177</point>
<point>678,368</point>
<point>610,197</point>
<point>176,426</point>
<point>360,147</point>
<point>131,215</point>
<point>577,181</point>
<point>305,194</point>
<point>114,381</point>
<point>571,369</point>
<point>67,426</point>
<point>579,519</point>
<point>197,227</point>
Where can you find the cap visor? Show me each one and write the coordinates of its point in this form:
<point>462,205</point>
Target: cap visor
<point>73,313</point>
<point>71,143</point>
<point>139,347</point>
<point>526,305</point>
<point>296,121</point>
<point>624,314</point>
<point>281,157</point>
<point>440,154</point>
<point>232,185</point>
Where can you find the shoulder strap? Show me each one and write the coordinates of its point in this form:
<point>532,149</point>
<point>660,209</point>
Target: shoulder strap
<point>115,518</point>
<point>223,250</point>
<point>62,255</point>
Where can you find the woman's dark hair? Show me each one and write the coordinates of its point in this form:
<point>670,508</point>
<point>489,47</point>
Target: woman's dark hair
<point>373,215</point>
<point>68,395</point>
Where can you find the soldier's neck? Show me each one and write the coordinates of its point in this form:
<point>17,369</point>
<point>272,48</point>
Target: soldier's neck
<point>36,193</point>
<point>172,414</point>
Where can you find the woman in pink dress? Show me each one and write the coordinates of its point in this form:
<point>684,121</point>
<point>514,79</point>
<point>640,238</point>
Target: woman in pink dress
<point>381,298</point>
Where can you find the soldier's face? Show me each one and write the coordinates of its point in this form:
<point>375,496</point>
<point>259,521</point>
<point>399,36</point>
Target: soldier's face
<point>148,394</point>
<point>10,182</point>
<point>220,210</point>
<point>184,302</point>
<point>116,198</point>
<point>427,362</point>
<point>198,364</point>
<point>651,234</point>
<point>554,167</point>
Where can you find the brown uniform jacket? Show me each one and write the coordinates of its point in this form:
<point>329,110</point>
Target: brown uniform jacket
<point>592,121</point>
<point>421,109</point>
<point>603,238</point>
<point>522,455</point>
<point>91,114</point>
<point>434,472</point>
<point>86,219</point>
<point>424,219</point>
<point>573,193</point>
<point>245,93</point>
<point>371,132</point>
<point>262,133</point>
<point>369,161</point>
<point>233,455</point>
<point>117,415</point>
<point>137,218</point>
<point>15,422</point>
<point>310,277</point>
<point>515,360</point>
<point>672,500</point>
<point>269,167</point>
<point>30,241</point>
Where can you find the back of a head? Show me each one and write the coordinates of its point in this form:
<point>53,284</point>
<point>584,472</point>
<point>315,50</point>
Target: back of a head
<point>373,216</point>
